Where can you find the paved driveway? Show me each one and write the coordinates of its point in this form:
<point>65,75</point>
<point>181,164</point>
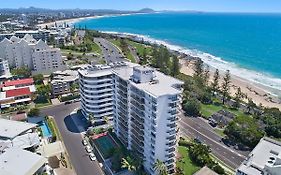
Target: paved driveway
<point>70,127</point>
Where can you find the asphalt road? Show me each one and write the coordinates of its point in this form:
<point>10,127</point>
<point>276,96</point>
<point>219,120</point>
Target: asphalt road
<point>110,52</point>
<point>70,127</point>
<point>199,128</point>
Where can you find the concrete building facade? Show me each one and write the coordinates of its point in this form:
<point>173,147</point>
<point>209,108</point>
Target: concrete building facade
<point>36,55</point>
<point>145,109</point>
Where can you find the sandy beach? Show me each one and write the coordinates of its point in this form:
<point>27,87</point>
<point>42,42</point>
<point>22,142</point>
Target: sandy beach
<point>67,21</point>
<point>258,93</point>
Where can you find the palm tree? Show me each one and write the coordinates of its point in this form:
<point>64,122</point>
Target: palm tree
<point>160,167</point>
<point>91,118</point>
<point>128,163</point>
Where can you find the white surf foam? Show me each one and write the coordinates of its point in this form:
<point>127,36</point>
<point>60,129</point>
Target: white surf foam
<point>218,63</point>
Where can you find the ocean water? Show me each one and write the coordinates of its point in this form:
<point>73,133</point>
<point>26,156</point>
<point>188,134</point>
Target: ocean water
<point>249,45</point>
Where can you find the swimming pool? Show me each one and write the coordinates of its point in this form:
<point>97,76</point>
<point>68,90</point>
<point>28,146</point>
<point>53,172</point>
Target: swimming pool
<point>45,129</point>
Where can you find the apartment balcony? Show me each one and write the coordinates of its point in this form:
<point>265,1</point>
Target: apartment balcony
<point>137,118</point>
<point>172,125</point>
<point>94,81</point>
<point>98,105</point>
<point>168,156</point>
<point>170,161</point>
<point>171,138</point>
<point>137,105</point>
<point>171,144</point>
<point>170,150</point>
<point>173,118</point>
<point>138,112</point>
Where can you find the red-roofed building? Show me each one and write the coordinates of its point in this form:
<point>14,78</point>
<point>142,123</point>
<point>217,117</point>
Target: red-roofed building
<point>15,96</point>
<point>19,83</point>
<point>18,92</point>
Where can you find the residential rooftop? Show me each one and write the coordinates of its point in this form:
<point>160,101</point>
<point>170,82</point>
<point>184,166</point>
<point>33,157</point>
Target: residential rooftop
<point>17,161</point>
<point>18,92</point>
<point>159,85</point>
<point>19,82</point>
<point>265,150</point>
<point>10,129</point>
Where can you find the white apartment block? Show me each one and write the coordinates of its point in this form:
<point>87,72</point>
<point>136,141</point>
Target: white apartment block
<point>145,108</point>
<point>265,159</point>
<point>4,69</point>
<point>36,55</point>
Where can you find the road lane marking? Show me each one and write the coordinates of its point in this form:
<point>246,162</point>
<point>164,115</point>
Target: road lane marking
<point>212,140</point>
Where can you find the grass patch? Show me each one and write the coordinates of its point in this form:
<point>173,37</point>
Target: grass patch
<point>185,163</point>
<point>210,109</point>
<point>96,48</point>
<point>219,132</point>
<point>140,48</point>
<point>53,127</point>
<point>127,54</point>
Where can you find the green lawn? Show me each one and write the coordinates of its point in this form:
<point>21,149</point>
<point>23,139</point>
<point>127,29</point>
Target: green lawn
<point>140,48</point>
<point>96,48</point>
<point>208,110</point>
<point>185,162</point>
<point>128,54</point>
<point>219,132</point>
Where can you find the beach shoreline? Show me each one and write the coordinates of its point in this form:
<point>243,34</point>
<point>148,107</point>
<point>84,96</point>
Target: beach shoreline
<point>260,94</point>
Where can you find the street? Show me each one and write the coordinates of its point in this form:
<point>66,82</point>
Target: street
<point>110,52</point>
<point>198,128</point>
<point>70,128</point>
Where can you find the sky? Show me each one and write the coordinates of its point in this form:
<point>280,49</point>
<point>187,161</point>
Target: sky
<point>198,5</point>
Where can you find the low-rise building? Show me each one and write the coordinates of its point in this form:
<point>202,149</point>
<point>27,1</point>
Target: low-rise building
<point>17,161</point>
<point>17,134</point>
<point>62,81</point>
<point>16,92</point>
<point>265,159</point>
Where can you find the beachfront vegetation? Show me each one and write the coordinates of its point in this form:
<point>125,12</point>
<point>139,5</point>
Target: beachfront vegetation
<point>86,46</point>
<point>244,130</point>
<point>193,156</point>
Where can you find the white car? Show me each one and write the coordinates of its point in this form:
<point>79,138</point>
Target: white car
<point>92,157</point>
<point>84,142</point>
<point>88,149</point>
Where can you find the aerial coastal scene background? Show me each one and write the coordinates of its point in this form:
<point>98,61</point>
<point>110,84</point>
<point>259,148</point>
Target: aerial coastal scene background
<point>226,41</point>
<point>237,42</point>
<point>130,87</point>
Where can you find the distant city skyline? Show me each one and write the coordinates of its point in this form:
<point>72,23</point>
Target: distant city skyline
<point>270,6</point>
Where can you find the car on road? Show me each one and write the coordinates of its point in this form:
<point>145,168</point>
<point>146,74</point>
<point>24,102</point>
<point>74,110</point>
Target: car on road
<point>197,140</point>
<point>92,157</point>
<point>84,142</point>
<point>88,149</point>
<point>68,102</point>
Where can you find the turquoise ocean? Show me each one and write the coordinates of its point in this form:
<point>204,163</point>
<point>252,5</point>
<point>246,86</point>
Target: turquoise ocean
<point>249,45</point>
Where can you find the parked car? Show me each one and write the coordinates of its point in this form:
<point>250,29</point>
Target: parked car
<point>92,157</point>
<point>84,142</point>
<point>68,102</point>
<point>88,149</point>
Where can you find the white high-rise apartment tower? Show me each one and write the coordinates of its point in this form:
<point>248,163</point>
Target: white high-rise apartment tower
<point>36,55</point>
<point>145,108</point>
